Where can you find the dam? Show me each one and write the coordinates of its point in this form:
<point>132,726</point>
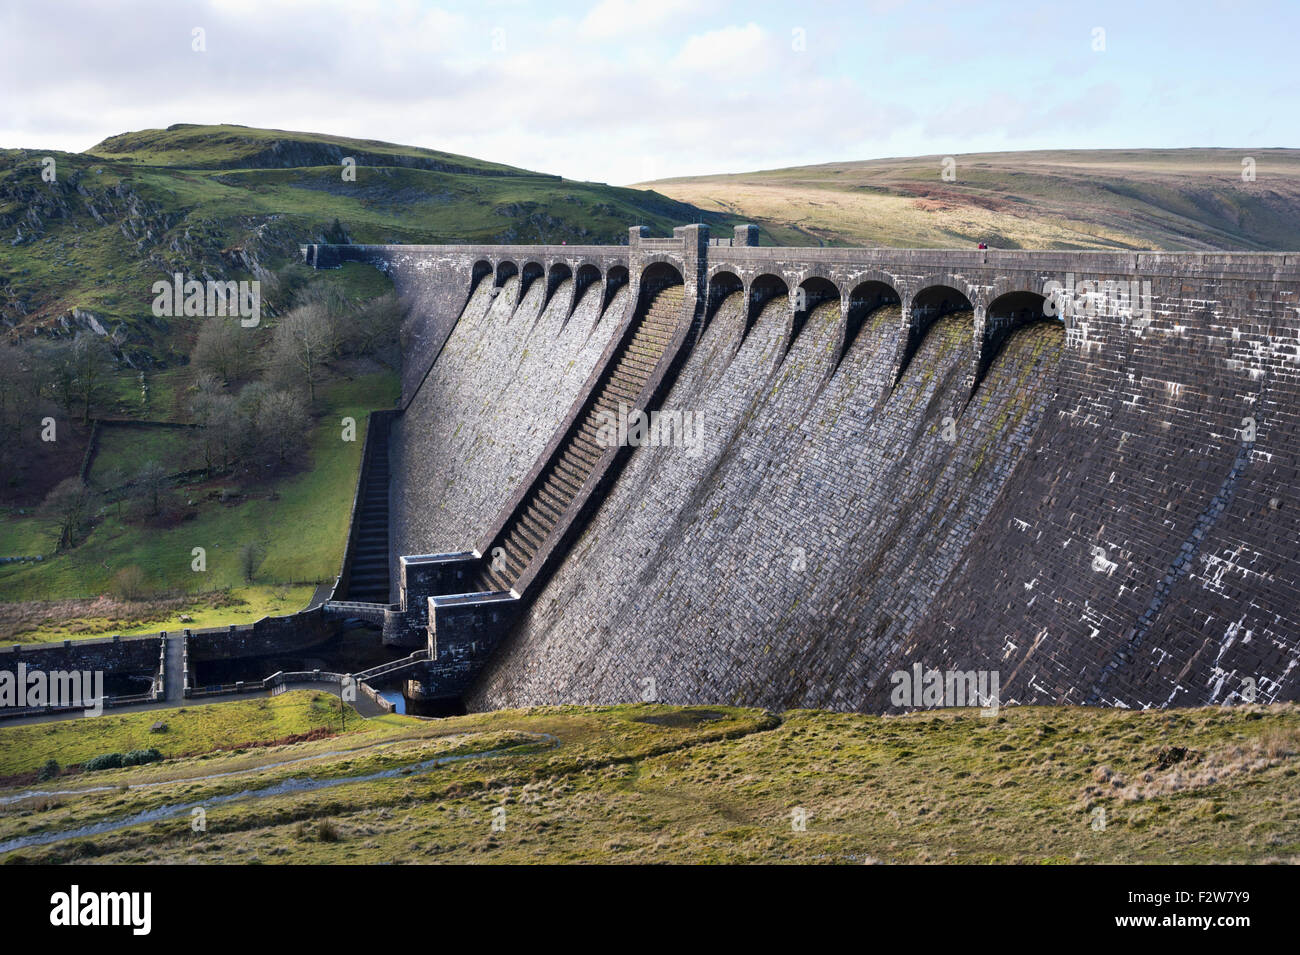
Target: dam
<point>1077,469</point>
<point>1073,474</point>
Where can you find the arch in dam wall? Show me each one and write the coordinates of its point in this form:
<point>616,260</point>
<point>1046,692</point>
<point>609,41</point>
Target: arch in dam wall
<point>615,278</point>
<point>659,273</point>
<point>807,296</point>
<point>506,270</point>
<point>673,259</point>
<point>869,292</point>
<point>1003,284</point>
<point>722,284</point>
<point>530,273</point>
<point>860,277</point>
<point>654,278</point>
<point>921,309</point>
<point>481,270</point>
<point>758,293</point>
<point>1003,316</point>
<point>655,272</point>
<point>557,273</point>
<point>587,275</point>
<point>927,290</point>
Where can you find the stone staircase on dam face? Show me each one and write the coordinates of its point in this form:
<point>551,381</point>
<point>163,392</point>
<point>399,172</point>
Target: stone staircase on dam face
<point>460,605</point>
<point>526,533</point>
<point>368,581</point>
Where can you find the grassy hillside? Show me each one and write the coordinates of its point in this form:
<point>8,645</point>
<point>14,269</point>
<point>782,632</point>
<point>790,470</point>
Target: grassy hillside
<point>232,202</point>
<point>188,146</point>
<point>302,521</point>
<point>1176,199</point>
<point>648,783</point>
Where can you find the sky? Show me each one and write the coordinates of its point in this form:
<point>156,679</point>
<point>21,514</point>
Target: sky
<point>624,91</point>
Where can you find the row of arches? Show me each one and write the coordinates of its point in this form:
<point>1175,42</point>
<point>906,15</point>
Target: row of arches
<point>994,317</point>
<point>555,275</point>
<point>996,312</point>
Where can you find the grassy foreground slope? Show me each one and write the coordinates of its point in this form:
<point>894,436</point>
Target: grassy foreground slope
<point>188,731</point>
<point>1176,199</point>
<point>647,783</point>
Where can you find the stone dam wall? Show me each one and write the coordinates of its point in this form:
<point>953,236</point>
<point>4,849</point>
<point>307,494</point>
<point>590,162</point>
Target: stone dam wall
<point>487,408</point>
<point>903,461</point>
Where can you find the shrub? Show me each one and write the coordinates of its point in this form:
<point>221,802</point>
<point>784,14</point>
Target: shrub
<point>138,757</point>
<point>104,761</point>
<point>324,831</point>
<point>149,490</point>
<point>221,349</point>
<point>135,757</point>
<point>48,771</point>
<point>129,583</point>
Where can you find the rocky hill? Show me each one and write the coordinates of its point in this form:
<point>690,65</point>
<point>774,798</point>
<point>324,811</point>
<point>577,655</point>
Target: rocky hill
<point>83,236</point>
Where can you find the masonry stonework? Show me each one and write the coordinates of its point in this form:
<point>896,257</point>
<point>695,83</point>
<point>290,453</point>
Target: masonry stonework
<point>904,461</point>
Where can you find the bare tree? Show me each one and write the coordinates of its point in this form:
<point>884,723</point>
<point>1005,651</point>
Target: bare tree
<point>282,424</point>
<point>251,556</point>
<point>301,344</point>
<point>71,504</point>
<point>246,439</point>
<point>251,397</point>
<point>150,486</point>
<point>92,367</point>
<point>374,328</point>
<point>221,348</point>
<point>130,583</point>
<point>220,429</point>
<point>214,412</point>
<point>15,389</point>
<point>55,368</point>
<point>37,359</point>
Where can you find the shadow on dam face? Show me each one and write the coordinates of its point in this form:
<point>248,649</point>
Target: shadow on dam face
<point>785,561</point>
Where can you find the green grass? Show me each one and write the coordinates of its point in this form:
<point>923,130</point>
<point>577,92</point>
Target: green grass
<point>25,534</point>
<point>646,783</point>
<point>303,529</point>
<point>229,146</point>
<point>240,605</point>
<point>352,280</point>
<point>255,603</point>
<point>124,449</point>
<point>190,730</point>
<point>165,396</point>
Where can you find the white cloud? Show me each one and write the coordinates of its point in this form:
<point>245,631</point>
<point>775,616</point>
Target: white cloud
<point>725,51</point>
<point>612,18</point>
<point>688,87</point>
